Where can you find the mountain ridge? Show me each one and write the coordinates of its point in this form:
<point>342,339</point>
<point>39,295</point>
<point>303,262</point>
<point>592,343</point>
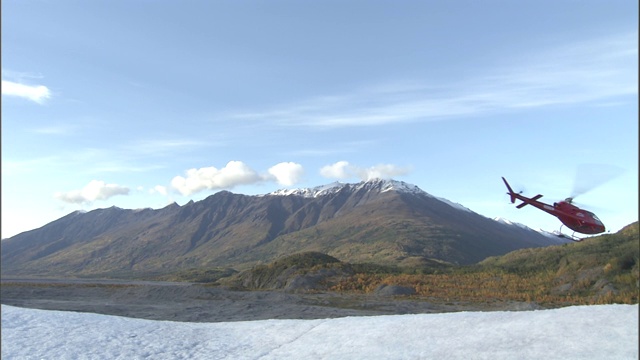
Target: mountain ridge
<point>383,184</point>
<point>384,221</point>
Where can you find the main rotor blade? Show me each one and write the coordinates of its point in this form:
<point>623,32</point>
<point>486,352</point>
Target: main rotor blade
<point>590,176</point>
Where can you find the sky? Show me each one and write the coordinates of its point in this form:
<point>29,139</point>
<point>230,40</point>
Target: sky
<point>138,104</point>
<point>579,332</point>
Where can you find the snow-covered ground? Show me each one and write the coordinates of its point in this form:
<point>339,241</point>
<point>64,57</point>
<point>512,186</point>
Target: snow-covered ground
<point>580,332</point>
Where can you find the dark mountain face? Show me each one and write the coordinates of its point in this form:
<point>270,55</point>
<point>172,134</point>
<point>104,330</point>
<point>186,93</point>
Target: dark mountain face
<point>386,222</point>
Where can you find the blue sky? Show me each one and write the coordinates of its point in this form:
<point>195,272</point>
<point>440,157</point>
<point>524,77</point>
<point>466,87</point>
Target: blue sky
<point>142,103</point>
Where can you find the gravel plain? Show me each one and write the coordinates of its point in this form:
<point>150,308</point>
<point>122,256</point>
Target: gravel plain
<point>202,303</point>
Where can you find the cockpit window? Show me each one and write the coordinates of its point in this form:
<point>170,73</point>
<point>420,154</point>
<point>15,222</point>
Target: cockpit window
<point>595,217</point>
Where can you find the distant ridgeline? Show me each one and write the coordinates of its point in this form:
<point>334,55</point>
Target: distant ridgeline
<point>383,222</point>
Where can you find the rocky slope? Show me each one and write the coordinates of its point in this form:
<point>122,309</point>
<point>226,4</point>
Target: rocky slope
<point>380,221</point>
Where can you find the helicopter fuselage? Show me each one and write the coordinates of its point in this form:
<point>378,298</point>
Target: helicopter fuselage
<point>573,217</point>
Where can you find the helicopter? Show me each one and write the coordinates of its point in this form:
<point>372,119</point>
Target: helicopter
<point>571,216</point>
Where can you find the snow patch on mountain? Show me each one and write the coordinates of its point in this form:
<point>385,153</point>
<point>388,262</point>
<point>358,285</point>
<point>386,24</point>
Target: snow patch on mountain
<point>509,222</point>
<point>525,227</point>
<point>310,192</point>
<point>381,185</point>
<point>399,186</point>
<point>455,205</point>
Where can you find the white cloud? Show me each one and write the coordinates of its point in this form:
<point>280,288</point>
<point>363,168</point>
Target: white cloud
<point>287,173</point>
<point>593,71</point>
<point>35,93</point>
<point>162,190</point>
<point>95,190</point>
<point>233,174</point>
<point>339,170</point>
<point>383,171</point>
<point>344,170</point>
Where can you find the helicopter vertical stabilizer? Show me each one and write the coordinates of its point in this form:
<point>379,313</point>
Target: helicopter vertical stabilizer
<point>511,193</point>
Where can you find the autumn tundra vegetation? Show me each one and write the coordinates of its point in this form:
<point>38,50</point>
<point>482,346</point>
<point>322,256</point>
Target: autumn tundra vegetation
<point>598,270</point>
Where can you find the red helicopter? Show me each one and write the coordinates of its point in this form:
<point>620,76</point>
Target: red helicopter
<point>573,217</point>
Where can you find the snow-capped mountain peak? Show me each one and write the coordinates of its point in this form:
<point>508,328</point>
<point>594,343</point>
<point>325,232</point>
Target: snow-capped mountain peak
<point>382,185</point>
<point>311,192</point>
<point>377,184</point>
<point>394,185</point>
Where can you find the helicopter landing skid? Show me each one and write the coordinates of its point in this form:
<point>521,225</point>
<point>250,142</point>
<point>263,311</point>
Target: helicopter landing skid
<point>571,237</point>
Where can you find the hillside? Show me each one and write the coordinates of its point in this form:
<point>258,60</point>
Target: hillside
<point>606,265</point>
<point>602,269</point>
<point>379,221</point>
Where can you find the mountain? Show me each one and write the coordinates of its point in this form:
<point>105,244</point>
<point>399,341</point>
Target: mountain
<point>378,221</point>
